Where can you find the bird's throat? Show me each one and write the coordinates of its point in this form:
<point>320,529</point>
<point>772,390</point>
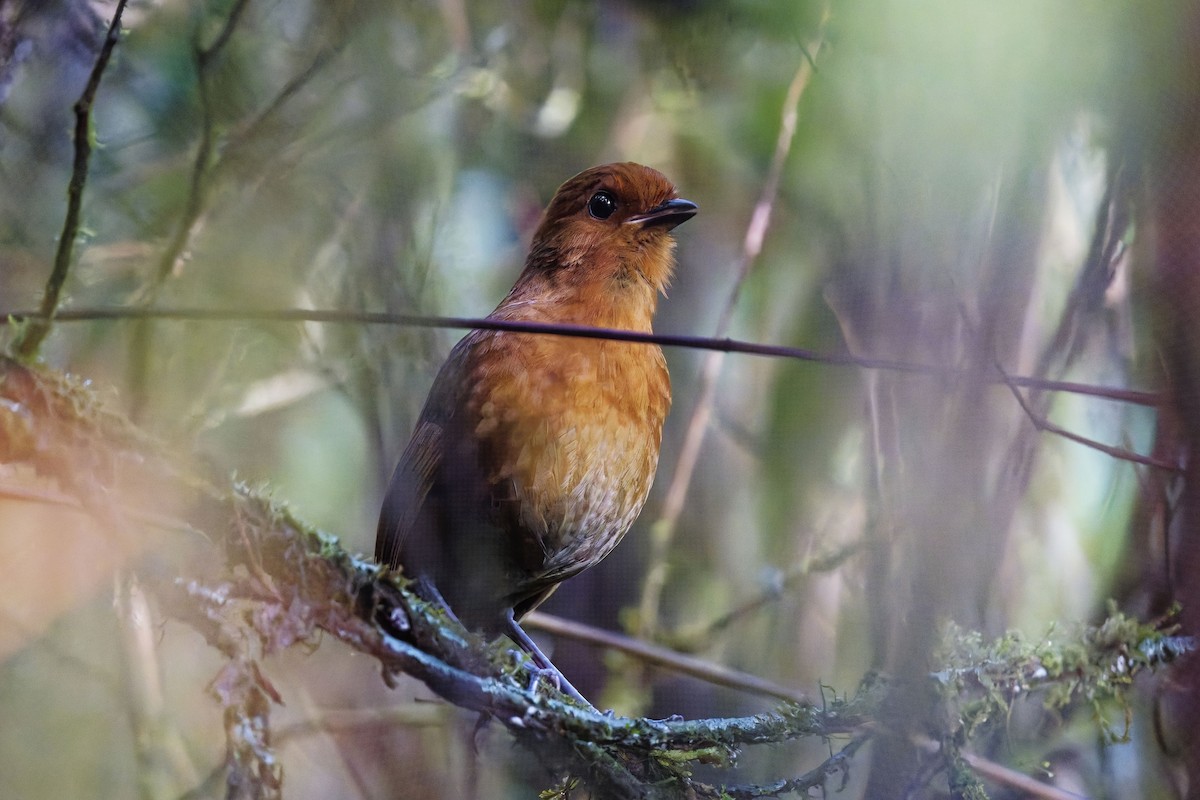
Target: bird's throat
<point>622,301</point>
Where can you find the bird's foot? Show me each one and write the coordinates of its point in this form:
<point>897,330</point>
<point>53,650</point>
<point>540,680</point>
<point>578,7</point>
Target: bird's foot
<point>551,675</point>
<point>541,663</point>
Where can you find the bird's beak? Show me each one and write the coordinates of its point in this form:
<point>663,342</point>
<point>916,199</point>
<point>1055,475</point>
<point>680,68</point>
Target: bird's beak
<point>667,215</point>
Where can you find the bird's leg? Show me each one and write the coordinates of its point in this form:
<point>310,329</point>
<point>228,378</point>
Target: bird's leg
<point>518,635</point>
<point>514,631</point>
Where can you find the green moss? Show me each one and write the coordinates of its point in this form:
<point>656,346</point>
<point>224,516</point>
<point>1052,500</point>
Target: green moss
<point>1089,665</point>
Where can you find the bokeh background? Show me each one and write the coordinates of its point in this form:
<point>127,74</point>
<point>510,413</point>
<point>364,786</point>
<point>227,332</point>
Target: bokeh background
<point>970,185</point>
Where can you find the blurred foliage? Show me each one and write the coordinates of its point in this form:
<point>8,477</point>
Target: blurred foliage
<point>947,173</point>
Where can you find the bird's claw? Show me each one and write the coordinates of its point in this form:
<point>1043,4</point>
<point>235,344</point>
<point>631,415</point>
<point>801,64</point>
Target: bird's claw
<point>552,676</point>
<point>536,674</point>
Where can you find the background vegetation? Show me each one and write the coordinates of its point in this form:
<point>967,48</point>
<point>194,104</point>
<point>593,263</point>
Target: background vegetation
<point>985,189</point>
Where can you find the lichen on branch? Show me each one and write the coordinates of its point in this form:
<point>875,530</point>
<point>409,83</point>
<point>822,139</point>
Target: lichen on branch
<point>279,583</point>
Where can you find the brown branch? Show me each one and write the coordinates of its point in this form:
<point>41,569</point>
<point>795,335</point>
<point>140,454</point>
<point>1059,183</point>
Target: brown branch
<point>171,259</point>
<point>690,637</point>
<point>204,58</point>
<point>205,168</point>
<point>837,764</point>
<point>241,139</point>
<point>31,337</point>
<point>725,345</point>
<point>1005,776</point>
<point>1096,274</point>
<point>658,656</point>
<point>1044,425</point>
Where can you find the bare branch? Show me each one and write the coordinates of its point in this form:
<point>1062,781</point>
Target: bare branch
<point>204,58</point>
<point>690,637</point>
<point>663,531</point>
<point>1005,776</point>
<point>658,656</point>
<point>837,764</point>
<point>1046,426</point>
<point>30,338</point>
<point>725,345</point>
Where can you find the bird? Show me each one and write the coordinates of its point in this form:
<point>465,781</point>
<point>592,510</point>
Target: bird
<point>534,454</point>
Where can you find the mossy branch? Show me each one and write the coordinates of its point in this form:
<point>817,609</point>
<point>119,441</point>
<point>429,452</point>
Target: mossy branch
<point>281,583</point>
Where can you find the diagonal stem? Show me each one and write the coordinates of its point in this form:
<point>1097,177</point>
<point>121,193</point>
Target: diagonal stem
<point>31,337</point>
<point>1044,425</point>
<point>663,531</point>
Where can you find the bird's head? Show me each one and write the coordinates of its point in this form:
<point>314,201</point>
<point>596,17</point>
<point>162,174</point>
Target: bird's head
<point>610,226</point>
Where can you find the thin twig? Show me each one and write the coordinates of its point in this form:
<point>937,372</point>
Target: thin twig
<point>726,345</point>
<point>690,637</point>
<point>663,530</point>
<point>205,166</point>
<point>1096,274</point>
<point>1046,426</point>
<point>838,763</point>
<point>662,657</point>
<point>239,139</point>
<point>172,256</point>
<point>1006,776</point>
<point>31,338</point>
<point>204,58</point>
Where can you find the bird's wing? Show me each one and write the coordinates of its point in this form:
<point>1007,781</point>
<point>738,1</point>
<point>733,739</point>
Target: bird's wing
<point>405,508</point>
<point>407,491</point>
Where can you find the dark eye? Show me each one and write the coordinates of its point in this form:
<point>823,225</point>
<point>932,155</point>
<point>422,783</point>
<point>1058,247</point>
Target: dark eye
<point>602,205</point>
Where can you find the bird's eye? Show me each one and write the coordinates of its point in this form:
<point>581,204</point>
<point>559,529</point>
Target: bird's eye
<point>602,205</point>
